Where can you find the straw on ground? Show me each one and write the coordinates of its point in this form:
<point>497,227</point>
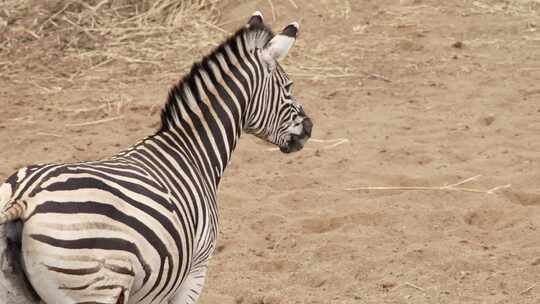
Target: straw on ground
<point>451,187</point>
<point>95,122</point>
<point>526,290</point>
<point>330,144</point>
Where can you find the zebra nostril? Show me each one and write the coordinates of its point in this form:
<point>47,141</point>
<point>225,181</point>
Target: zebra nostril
<point>308,125</point>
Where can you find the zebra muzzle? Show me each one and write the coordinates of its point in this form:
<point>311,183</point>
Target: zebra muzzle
<point>297,141</point>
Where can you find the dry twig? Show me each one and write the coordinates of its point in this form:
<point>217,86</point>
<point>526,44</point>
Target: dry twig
<point>333,143</point>
<point>524,291</point>
<point>293,4</point>
<point>48,134</point>
<point>452,187</point>
<point>274,16</point>
<point>134,32</point>
<point>95,122</point>
<point>414,286</point>
<point>376,76</point>
<point>323,76</point>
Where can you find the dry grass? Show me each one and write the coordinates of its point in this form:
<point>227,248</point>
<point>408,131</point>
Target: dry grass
<point>85,35</point>
<point>523,8</point>
<point>452,187</point>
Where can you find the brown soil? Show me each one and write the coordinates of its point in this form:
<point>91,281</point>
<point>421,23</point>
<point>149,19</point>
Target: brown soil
<point>426,92</point>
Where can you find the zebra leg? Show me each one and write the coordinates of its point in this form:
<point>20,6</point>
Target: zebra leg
<point>190,290</point>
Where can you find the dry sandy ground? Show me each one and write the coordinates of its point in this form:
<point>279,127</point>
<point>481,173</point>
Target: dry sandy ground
<point>416,108</point>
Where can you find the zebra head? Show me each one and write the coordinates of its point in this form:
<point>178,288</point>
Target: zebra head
<point>274,114</point>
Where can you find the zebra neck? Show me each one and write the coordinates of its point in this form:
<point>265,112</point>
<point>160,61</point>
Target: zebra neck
<point>206,111</point>
<point>206,127</point>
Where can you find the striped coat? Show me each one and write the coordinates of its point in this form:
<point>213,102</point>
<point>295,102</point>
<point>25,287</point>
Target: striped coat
<point>141,226</point>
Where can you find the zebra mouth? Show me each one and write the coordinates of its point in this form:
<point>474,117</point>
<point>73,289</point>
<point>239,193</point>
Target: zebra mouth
<point>297,141</point>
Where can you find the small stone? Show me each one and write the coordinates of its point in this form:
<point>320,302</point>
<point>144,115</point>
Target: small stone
<point>457,45</point>
<point>488,120</point>
<point>220,248</point>
<point>387,285</point>
<point>331,94</point>
<point>319,283</point>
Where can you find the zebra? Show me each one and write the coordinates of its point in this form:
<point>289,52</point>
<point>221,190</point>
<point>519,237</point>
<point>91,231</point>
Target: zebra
<point>141,226</point>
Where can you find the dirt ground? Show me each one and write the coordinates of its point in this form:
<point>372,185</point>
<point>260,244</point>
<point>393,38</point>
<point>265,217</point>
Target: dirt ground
<point>407,93</point>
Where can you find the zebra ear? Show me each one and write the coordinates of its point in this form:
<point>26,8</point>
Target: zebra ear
<point>279,46</point>
<point>255,19</point>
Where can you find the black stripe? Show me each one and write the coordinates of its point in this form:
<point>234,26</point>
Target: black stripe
<point>105,287</point>
<point>198,126</point>
<point>74,288</point>
<point>248,61</point>
<point>179,183</point>
<point>138,186</point>
<point>31,181</point>
<point>74,271</point>
<point>174,180</point>
<point>229,101</point>
<point>180,139</point>
<point>113,169</point>
<point>150,160</point>
<point>93,243</point>
<point>187,133</point>
<point>120,270</point>
<point>214,131</point>
<point>115,214</point>
<point>222,116</point>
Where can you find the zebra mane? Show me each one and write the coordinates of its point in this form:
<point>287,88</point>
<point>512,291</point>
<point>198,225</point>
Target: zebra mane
<point>254,36</point>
